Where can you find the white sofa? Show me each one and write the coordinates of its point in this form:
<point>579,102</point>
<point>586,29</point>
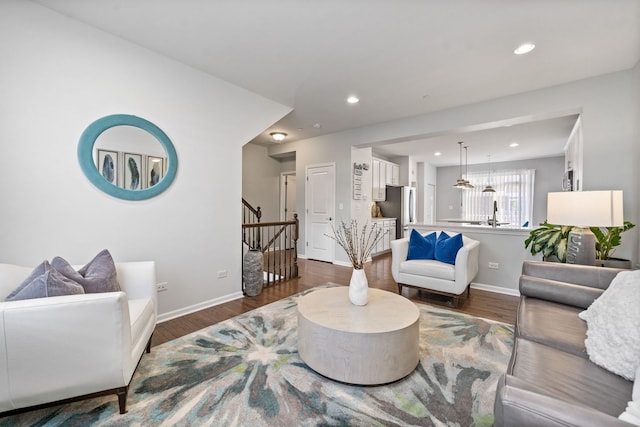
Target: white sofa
<point>74,346</point>
<point>432,275</point>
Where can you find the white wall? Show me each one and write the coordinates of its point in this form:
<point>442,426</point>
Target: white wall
<point>261,181</point>
<point>548,178</point>
<point>636,137</point>
<point>360,209</point>
<point>57,77</point>
<point>610,149</point>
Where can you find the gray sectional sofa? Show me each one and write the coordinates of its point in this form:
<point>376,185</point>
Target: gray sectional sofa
<point>550,380</point>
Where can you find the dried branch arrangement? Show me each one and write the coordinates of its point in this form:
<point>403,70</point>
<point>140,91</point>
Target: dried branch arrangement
<point>357,244</point>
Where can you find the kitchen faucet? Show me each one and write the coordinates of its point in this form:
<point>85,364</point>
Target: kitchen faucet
<point>495,209</point>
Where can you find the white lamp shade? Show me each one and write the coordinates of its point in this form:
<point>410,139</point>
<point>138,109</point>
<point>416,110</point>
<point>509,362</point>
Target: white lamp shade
<point>585,208</point>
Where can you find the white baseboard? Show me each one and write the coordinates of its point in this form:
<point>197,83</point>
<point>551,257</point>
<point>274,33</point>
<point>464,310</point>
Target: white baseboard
<point>226,298</point>
<point>496,289</point>
<point>343,263</point>
<point>340,263</point>
<point>197,307</point>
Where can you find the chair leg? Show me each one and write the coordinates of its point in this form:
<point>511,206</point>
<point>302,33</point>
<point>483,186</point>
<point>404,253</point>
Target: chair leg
<point>456,301</point>
<point>122,399</point>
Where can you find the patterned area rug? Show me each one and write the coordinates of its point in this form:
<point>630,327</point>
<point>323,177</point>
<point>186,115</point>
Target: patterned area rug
<point>246,372</point>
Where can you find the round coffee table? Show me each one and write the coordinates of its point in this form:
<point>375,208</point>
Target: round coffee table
<point>372,344</point>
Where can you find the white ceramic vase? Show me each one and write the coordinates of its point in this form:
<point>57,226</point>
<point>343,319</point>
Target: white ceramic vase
<point>358,287</point>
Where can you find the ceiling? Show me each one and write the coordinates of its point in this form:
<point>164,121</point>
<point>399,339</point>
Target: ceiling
<point>401,58</point>
<point>493,142</point>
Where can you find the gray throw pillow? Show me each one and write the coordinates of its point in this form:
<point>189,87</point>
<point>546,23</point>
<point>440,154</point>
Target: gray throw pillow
<point>99,275</point>
<point>45,281</point>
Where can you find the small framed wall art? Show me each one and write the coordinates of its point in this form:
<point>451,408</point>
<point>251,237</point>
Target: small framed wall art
<point>109,166</point>
<point>133,171</point>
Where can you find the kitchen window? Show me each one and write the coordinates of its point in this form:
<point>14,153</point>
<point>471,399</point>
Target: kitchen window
<point>514,196</point>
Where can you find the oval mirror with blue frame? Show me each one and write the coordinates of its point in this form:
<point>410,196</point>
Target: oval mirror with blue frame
<point>132,163</point>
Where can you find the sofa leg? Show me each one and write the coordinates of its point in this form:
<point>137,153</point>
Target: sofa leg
<point>399,289</point>
<point>122,398</point>
<point>148,349</point>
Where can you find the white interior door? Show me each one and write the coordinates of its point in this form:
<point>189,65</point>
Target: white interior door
<point>320,206</point>
<point>287,196</point>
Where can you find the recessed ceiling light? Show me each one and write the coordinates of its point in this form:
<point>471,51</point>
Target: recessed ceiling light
<point>278,136</point>
<point>353,99</point>
<point>513,144</point>
<point>524,48</point>
<point>437,153</point>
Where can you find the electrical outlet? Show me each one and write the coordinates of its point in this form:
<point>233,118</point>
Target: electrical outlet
<point>222,274</point>
<point>494,265</point>
<point>162,286</point>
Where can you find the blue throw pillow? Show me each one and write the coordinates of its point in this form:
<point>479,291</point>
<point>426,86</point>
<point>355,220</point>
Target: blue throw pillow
<point>421,247</point>
<point>447,247</point>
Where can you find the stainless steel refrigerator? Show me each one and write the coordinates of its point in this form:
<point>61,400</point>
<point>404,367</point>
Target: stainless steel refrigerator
<point>400,204</point>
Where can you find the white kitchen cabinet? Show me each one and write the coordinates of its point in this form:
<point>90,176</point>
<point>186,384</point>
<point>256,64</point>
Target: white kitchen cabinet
<point>389,226</point>
<point>383,173</point>
<point>388,179</point>
<point>375,180</point>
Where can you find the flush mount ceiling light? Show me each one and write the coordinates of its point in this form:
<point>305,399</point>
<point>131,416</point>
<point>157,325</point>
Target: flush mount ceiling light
<point>353,99</point>
<point>278,136</point>
<point>524,48</point>
<point>513,144</point>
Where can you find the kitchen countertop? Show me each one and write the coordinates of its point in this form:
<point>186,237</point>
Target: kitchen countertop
<point>480,228</point>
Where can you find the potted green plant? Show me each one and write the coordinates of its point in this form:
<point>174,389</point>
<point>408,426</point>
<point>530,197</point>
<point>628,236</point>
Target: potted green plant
<point>607,240</point>
<point>550,240</point>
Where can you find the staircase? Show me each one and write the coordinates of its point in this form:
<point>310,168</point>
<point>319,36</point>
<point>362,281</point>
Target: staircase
<point>278,242</point>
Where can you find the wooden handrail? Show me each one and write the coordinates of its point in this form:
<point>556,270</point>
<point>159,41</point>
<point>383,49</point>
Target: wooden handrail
<point>270,224</point>
<point>256,211</point>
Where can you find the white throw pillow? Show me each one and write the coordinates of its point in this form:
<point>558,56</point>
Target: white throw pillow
<point>613,326</point>
<point>632,414</point>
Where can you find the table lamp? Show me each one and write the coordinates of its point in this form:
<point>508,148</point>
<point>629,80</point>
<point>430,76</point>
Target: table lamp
<point>584,209</point>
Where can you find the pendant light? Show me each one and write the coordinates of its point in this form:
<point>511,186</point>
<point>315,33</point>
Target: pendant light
<point>467,184</point>
<point>489,188</point>
<point>460,182</point>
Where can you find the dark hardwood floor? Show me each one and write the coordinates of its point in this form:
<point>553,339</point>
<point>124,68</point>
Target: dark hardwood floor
<point>485,304</point>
